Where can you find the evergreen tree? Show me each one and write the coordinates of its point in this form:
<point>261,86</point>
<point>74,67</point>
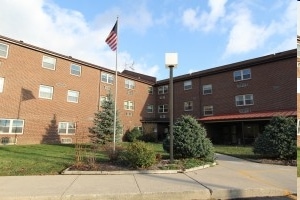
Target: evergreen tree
<point>279,139</point>
<point>190,140</point>
<point>103,129</point>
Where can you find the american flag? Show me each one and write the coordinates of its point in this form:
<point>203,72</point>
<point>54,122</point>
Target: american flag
<point>111,39</point>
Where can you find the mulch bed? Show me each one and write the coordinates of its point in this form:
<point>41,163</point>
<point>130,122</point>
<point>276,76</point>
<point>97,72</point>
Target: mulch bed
<point>112,166</point>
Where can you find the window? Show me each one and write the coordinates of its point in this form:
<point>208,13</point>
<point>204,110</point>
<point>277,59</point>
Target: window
<point>187,85</point>
<point>3,50</point>
<point>46,92</point>
<point>75,70</point>
<point>208,110</point>
<point>102,100</point>
<point>129,84</point>
<point>163,89</point>
<point>66,128</point>
<point>1,84</point>
<point>48,62</point>
<point>128,105</point>
<point>243,100</point>
<point>107,78</point>
<point>150,90</point>
<point>241,75</point>
<point>188,106</point>
<point>73,96</point>
<point>163,108</point>
<point>207,89</point>
<point>149,109</point>
<point>11,126</point>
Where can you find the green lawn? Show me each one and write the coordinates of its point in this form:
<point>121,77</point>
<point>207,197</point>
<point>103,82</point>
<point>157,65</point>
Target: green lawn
<point>35,159</point>
<point>52,159</point>
<point>236,151</point>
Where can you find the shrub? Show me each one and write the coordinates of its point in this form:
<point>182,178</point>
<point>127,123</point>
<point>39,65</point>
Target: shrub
<point>278,140</point>
<point>149,137</point>
<point>133,135</point>
<point>113,156</point>
<point>140,154</point>
<point>190,140</point>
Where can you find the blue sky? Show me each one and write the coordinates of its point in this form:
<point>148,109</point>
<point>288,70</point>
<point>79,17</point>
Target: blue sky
<point>204,33</point>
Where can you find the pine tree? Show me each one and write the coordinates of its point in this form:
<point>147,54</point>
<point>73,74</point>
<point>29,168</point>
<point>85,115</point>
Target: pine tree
<point>103,129</point>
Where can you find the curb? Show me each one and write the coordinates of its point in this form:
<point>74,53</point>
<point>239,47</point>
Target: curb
<point>129,172</point>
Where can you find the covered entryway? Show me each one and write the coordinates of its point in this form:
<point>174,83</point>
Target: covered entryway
<point>239,129</point>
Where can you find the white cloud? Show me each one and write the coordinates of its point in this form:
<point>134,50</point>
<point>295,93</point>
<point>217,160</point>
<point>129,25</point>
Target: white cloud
<point>194,20</point>
<point>190,19</point>
<point>140,20</point>
<point>246,36</point>
<point>44,24</point>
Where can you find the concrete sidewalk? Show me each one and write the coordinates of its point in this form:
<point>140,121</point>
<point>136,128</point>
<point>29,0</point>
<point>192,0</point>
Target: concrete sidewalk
<point>231,178</point>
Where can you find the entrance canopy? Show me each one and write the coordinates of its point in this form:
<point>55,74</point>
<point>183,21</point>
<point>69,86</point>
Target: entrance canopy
<point>248,116</point>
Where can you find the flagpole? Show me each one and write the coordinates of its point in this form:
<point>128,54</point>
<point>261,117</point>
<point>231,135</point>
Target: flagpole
<point>116,89</point>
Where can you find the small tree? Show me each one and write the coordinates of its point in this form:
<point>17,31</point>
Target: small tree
<point>190,140</point>
<point>103,129</point>
<point>134,134</point>
<point>278,139</point>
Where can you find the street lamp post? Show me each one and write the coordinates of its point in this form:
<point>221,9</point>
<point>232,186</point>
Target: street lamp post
<point>171,61</point>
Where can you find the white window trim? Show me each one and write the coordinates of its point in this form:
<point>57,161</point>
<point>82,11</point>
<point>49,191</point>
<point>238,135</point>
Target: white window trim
<point>102,100</point>
<point>46,86</point>
<point>67,128</point>
<point>207,87</point>
<point>150,110</point>
<point>107,75</point>
<point>187,85</point>
<point>69,95</point>
<point>54,62</point>
<point>10,127</point>
<point>165,108</point>
<point>7,48</point>
<point>163,89</point>
<point>128,105</point>
<point>189,107</point>
<point>244,100</point>
<point>242,75</point>
<point>150,90</point>
<point>75,70</point>
<point>2,79</point>
<point>129,84</point>
<point>209,109</point>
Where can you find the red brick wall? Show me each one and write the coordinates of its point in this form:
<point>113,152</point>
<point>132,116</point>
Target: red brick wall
<point>23,68</point>
<point>271,84</point>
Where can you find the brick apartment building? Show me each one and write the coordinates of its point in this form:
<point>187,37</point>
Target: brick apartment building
<point>46,97</point>
<point>234,101</point>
